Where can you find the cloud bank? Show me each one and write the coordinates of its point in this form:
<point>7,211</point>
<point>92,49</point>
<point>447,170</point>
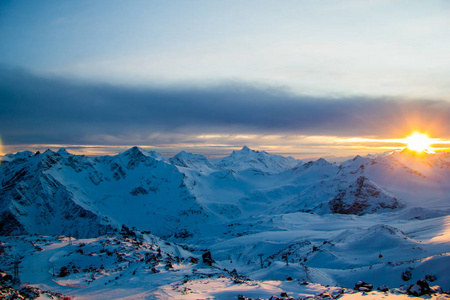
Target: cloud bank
<point>43,110</point>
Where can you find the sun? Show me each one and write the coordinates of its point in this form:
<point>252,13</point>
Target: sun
<point>419,142</point>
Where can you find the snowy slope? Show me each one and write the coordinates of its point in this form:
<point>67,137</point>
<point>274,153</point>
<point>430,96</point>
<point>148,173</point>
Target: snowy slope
<point>55,191</point>
<point>133,265</point>
<point>34,201</point>
<point>418,181</point>
<point>192,161</point>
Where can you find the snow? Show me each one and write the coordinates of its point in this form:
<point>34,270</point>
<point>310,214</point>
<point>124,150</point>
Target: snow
<point>260,160</point>
<point>394,220</point>
<point>19,155</point>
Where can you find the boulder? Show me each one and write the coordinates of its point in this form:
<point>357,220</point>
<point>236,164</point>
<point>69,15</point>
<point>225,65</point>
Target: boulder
<point>207,259</point>
<point>363,286</point>
<point>382,288</point>
<point>420,288</point>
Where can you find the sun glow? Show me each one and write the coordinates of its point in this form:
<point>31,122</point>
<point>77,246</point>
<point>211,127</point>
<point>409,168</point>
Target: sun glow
<point>419,142</point>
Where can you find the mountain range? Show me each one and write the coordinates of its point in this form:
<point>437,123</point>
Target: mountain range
<point>337,222</point>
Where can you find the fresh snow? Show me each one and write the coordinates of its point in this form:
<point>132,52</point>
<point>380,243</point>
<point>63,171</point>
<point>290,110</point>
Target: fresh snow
<point>381,219</point>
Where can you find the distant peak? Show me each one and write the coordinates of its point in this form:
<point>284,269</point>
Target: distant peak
<point>245,150</point>
<point>25,153</point>
<point>48,152</point>
<point>322,161</point>
<point>136,150</point>
<point>356,157</point>
<point>415,153</point>
<point>190,156</point>
<point>62,151</point>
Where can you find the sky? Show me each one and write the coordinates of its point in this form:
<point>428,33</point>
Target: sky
<point>300,78</point>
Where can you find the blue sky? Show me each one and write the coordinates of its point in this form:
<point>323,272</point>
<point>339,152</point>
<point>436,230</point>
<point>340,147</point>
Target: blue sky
<point>392,55</point>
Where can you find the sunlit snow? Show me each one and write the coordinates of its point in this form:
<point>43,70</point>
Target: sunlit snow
<point>135,225</point>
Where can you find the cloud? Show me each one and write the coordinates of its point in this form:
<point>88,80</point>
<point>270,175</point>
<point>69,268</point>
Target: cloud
<point>44,110</point>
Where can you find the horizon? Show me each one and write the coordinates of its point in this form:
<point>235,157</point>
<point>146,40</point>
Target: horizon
<point>294,79</point>
<point>168,155</point>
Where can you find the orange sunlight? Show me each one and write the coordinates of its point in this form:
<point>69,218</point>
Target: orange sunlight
<point>419,142</point>
<point>444,235</point>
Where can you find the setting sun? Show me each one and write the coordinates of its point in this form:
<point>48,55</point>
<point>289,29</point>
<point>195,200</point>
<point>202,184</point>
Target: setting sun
<point>419,142</point>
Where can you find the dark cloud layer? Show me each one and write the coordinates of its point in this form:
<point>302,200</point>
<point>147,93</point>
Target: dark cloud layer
<point>35,109</point>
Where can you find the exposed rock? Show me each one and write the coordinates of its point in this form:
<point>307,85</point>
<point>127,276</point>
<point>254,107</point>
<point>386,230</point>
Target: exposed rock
<point>382,288</point>
<point>138,191</point>
<point>193,260</point>
<point>325,295</point>
<point>420,288</point>
<point>437,289</point>
<point>362,197</point>
<point>430,278</point>
<point>25,292</point>
<point>363,286</point>
<point>406,275</point>
<point>63,272</point>
<point>207,259</point>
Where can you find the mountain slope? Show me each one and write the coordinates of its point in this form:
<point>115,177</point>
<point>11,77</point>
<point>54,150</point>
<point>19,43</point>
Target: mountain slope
<point>56,191</point>
<point>382,219</point>
<point>150,192</point>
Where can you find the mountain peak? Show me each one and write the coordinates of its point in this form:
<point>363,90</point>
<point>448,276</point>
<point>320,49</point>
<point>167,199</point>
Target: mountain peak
<point>247,158</point>
<point>322,162</point>
<point>48,152</point>
<point>136,151</point>
<point>184,154</point>
<point>245,151</point>
<point>190,160</point>
<point>63,151</point>
<point>140,154</point>
<point>357,157</point>
<point>410,152</point>
<point>18,155</point>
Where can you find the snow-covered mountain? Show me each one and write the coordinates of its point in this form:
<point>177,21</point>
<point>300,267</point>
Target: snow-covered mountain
<point>330,222</point>
<point>18,155</point>
<point>53,192</point>
<point>257,160</point>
